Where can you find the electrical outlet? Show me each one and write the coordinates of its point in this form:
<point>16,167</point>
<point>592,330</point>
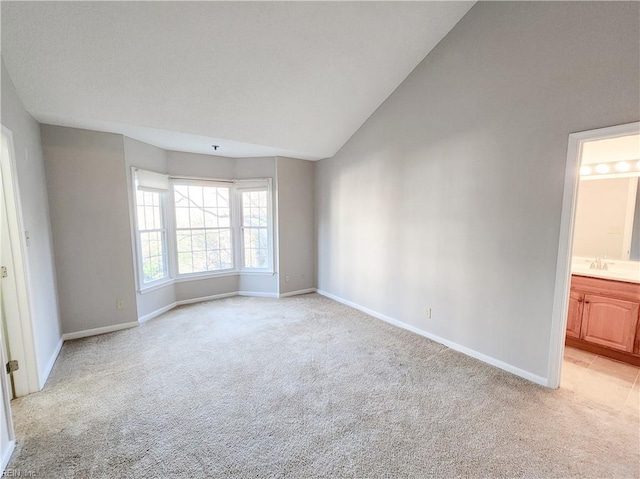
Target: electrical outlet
<point>427,313</point>
<point>121,304</point>
<point>287,279</point>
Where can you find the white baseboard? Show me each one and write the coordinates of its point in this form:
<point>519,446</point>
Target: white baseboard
<point>96,331</point>
<point>450,344</point>
<point>205,298</point>
<point>296,293</point>
<point>52,360</point>
<point>157,312</point>
<point>6,457</point>
<point>257,294</point>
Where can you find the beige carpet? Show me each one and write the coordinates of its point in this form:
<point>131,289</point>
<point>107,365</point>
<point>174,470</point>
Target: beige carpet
<point>302,387</point>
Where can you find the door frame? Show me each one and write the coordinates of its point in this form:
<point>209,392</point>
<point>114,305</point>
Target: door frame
<point>26,347</point>
<point>5,455</point>
<point>565,245</point>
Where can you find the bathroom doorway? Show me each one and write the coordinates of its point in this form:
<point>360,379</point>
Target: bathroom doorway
<point>598,248</point>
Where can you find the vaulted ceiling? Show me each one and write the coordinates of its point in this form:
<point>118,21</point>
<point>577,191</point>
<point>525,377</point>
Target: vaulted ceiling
<point>257,78</point>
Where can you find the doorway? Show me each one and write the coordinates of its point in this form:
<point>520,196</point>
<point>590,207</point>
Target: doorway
<point>18,343</point>
<point>581,145</point>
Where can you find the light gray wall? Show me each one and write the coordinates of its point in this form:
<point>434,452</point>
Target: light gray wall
<point>87,185</point>
<point>205,166</point>
<point>296,224</point>
<point>186,290</point>
<point>148,157</point>
<point>35,212</point>
<point>450,195</point>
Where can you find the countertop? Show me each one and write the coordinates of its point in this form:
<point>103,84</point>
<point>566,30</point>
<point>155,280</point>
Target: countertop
<point>627,271</point>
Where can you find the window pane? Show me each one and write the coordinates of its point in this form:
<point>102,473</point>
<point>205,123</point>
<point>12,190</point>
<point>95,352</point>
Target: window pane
<point>225,239</point>
<point>149,215</point>
<point>150,226</point>
<point>255,236</point>
<point>195,196</point>
<point>224,220</point>
<point>182,218</point>
<point>198,241</point>
<point>197,217</point>
<point>256,248</point>
<point>222,195</point>
<point>211,217</point>
<point>203,228</point>
<point>152,251</point>
<point>181,194</point>
<point>210,197</point>
<point>183,241</point>
<point>185,265</point>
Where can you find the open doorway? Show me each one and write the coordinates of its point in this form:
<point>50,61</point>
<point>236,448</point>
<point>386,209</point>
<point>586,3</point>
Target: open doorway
<point>17,352</point>
<point>597,296</point>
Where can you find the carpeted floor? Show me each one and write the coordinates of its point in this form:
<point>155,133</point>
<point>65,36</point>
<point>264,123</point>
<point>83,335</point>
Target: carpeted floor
<point>302,387</point>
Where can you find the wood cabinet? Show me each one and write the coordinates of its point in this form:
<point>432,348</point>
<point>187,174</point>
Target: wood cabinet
<point>604,317</point>
<point>574,319</point>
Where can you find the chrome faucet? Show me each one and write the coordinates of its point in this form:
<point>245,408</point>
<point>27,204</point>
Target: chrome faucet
<point>599,264</point>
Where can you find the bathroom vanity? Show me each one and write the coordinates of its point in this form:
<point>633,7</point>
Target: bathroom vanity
<point>604,309</point>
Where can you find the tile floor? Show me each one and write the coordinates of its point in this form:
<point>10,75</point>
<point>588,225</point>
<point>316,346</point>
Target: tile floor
<point>602,379</point>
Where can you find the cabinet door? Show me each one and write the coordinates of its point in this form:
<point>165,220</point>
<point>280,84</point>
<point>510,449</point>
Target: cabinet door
<point>574,318</point>
<point>609,322</point>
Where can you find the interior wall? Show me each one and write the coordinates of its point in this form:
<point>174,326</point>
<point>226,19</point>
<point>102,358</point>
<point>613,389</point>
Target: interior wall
<point>87,186</point>
<point>35,212</point>
<point>450,195</point>
<point>296,224</point>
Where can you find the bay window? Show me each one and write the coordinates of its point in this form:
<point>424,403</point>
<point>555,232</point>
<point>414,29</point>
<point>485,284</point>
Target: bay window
<point>214,227</point>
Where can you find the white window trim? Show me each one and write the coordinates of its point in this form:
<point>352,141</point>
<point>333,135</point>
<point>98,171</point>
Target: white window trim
<point>168,279</point>
<point>246,186</point>
<point>174,247</point>
<point>168,216</point>
<point>235,186</point>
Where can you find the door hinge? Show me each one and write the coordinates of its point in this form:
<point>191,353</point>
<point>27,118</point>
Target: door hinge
<point>12,366</point>
<point>3,271</point>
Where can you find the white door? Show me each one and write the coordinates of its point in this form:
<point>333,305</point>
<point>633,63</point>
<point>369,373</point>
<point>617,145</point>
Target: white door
<point>6,423</point>
<point>9,301</point>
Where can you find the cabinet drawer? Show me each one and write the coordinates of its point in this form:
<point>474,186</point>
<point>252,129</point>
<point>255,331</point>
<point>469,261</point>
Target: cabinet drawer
<point>609,322</point>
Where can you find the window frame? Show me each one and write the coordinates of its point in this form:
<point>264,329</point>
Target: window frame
<point>236,187</point>
<point>245,187</point>
<point>162,203</point>
<point>174,227</point>
<point>168,218</point>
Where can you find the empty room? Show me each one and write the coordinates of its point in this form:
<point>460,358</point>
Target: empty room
<point>320,239</point>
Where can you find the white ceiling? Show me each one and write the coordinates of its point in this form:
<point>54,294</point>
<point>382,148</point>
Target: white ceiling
<point>257,78</point>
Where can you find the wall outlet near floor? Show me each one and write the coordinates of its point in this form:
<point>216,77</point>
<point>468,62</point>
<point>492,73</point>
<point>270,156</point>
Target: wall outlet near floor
<point>121,304</point>
<point>427,313</point>
<point>287,279</point>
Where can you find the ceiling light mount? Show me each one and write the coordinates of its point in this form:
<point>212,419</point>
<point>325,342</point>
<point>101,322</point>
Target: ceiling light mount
<point>215,147</point>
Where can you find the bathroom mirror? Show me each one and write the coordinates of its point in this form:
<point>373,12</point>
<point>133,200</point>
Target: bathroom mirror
<point>607,220</point>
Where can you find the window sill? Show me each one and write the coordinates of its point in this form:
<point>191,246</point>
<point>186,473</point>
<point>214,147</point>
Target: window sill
<point>156,286</point>
<point>199,276</point>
